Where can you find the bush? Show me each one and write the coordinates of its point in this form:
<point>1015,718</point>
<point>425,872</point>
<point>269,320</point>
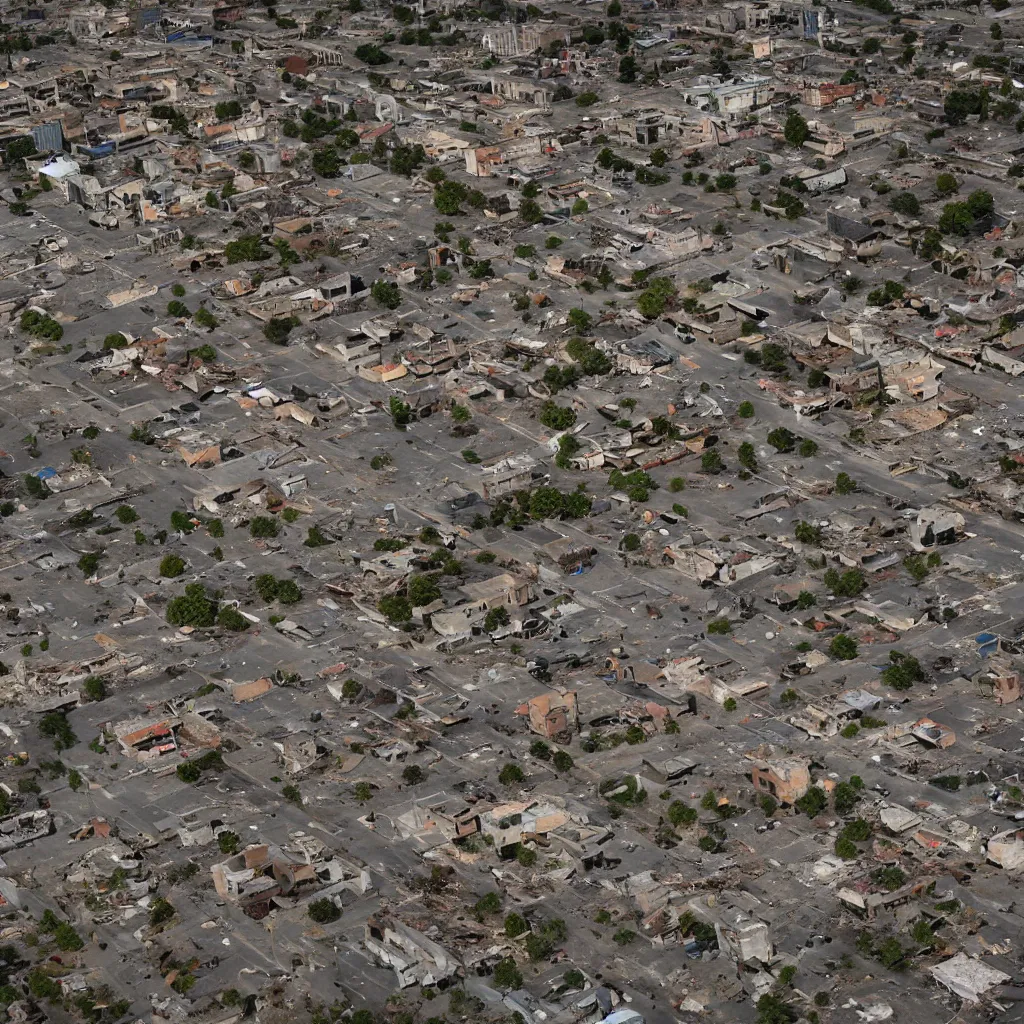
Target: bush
<point>413,774</point>
<point>264,526</point>
<point>189,772</point>
<point>889,878</point>
<point>126,514</point>
<point>848,584</point>
<point>193,608</point>
<point>229,843</point>
<point>745,410</point>
<point>395,609</point>
<point>506,974</point>
<point>557,417</point>
<point>422,589</point>
<point>323,910</point>
<point>315,539</point>
<point>233,619</point>
<point>844,484</point>
<point>89,563</point>
<point>902,672</point>
<point>679,813</point>
<point>563,761</point>
<point>55,726</point>
<point>781,439</point>
<point>711,462</point>
<point>719,627</point>
<point>813,802</point>
<point>160,911</point>
<point>34,487</point>
<point>171,566</point>
<point>94,688</point>
<point>843,647</point>
<point>905,203</point>
<point>515,925</point>
<point>857,831</point>
<point>511,774</point>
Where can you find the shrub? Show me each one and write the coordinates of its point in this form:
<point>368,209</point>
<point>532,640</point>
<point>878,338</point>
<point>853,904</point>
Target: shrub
<point>89,563</point>
<point>679,813</point>
<point>193,608</point>
<point>160,911</point>
<point>229,843</point>
<point>902,672</point>
<point>94,688</point>
<point>745,410</point>
<point>506,974</point>
<point>719,627</point>
<point>848,584</point>
<point>511,774</point>
<point>844,484</point>
<point>189,772</point>
<point>563,761</point>
<point>890,878</point>
<point>515,925</point>
<point>181,522</point>
<point>171,566</point>
<point>857,831</point>
<point>422,589</point>
<point>413,774</point>
<point>395,609</point>
<point>845,797</point>
<point>843,647</point>
<point>711,462</point>
<point>557,417</point>
<point>264,526</point>
<point>233,619</point>
<point>813,802</point>
<point>323,910</point>
<point>34,487</point>
<point>126,514</point>
<point>781,439</point>
<point>315,539</point>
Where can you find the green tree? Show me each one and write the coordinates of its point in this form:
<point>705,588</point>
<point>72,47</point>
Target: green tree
<point>56,727</point>
<point>264,527</point>
<point>796,130</point>
<point>905,203</point>
<point>193,608</point>
<point>449,197</point>
<point>94,688</point>
<point>711,461</point>
<point>506,974</point>
<point>172,565</point>
<point>323,910</point>
<point>386,294</point>
<point>843,647</point>
<point>511,774</point>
